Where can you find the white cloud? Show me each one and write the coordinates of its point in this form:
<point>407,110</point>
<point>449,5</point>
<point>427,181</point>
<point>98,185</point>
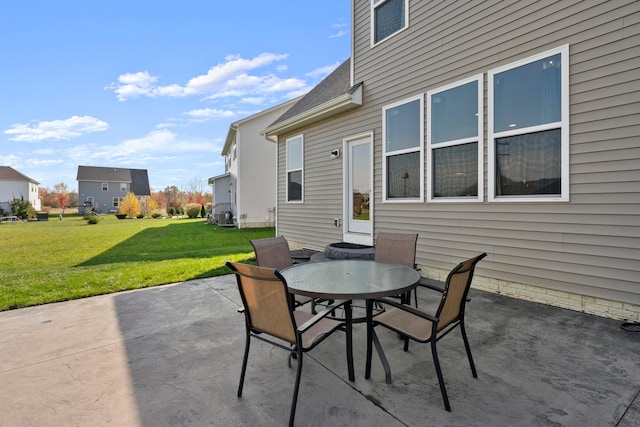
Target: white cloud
<point>206,114</point>
<point>230,77</point>
<point>56,130</point>
<point>322,72</point>
<point>340,33</point>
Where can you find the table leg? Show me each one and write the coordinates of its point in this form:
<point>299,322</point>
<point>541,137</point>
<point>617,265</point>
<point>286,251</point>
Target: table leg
<point>349,331</point>
<point>372,337</point>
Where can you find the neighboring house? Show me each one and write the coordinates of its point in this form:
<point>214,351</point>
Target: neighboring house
<point>245,195</point>
<point>502,127</point>
<point>14,185</point>
<point>103,188</point>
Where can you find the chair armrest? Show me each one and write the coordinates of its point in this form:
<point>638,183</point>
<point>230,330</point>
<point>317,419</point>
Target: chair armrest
<point>433,284</point>
<point>408,308</point>
<point>315,319</point>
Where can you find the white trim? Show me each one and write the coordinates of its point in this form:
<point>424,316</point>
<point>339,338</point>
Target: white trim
<point>563,125</point>
<point>479,139</point>
<point>372,18</point>
<point>352,237</point>
<point>420,148</point>
<point>301,169</point>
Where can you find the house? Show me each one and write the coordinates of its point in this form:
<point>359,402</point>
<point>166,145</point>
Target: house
<point>245,195</point>
<point>103,188</point>
<point>15,185</point>
<point>502,127</point>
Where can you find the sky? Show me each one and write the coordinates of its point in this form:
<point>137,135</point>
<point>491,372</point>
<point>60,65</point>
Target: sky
<point>152,84</point>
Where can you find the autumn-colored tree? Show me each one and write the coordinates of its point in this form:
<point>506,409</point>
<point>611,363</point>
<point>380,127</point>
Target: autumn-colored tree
<point>148,206</point>
<point>130,205</point>
<point>61,195</point>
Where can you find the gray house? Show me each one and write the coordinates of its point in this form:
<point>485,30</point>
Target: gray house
<point>103,188</point>
<point>502,127</point>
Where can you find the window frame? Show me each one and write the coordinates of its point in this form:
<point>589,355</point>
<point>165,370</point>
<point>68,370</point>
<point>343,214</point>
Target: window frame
<point>563,125</point>
<point>123,187</point>
<point>479,140</point>
<point>301,168</point>
<point>116,201</point>
<point>373,8</point>
<point>419,149</point>
<point>105,186</point>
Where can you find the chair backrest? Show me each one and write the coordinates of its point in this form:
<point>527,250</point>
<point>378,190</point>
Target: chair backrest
<point>399,248</point>
<point>272,252</point>
<point>267,307</point>
<point>455,292</point>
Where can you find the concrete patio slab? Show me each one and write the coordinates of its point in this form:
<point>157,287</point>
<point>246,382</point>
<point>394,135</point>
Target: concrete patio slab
<point>171,356</point>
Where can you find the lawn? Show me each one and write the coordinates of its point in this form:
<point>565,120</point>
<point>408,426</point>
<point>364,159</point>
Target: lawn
<point>60,260</point>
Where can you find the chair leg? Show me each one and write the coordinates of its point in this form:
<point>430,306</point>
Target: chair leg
<point>436,362</point>
<point>244,363</point>
<point>468,348</point>
<point>296,388</point>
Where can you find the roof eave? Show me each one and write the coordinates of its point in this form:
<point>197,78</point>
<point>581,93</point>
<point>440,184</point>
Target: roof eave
<point>347,101</point>
<point>231,136</point>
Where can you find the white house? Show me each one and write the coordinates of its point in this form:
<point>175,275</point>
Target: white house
<point>245,195</point>
<point>15,185</point>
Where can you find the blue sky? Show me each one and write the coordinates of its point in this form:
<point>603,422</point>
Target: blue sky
<point>152,84</point>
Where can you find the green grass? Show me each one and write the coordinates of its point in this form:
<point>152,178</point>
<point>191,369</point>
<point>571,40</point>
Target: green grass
<point>48,261</point>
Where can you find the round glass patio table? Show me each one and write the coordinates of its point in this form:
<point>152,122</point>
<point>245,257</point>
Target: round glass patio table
<point>349,280</point>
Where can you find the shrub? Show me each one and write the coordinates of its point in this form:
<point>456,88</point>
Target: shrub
<point>93,218</point>
<point>203,212</point>
<point>193,210</point>
<point>140,216</point>
<point>121,216</point>
<point>156,215</point>
<point>171,211</point>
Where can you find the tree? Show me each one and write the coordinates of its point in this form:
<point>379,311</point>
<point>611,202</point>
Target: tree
<point>61,195</point>
<point>148,206</point>
<point>130,205</point>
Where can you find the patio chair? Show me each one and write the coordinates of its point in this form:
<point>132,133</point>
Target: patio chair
<point>426,328</point>
<point>399,248</point>
<point>269,311</point>
<point>273,252</point>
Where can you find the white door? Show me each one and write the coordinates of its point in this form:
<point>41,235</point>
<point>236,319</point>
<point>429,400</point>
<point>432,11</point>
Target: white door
<point>359,190</point>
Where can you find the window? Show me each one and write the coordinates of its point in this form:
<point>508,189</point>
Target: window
<point>294,169</point>
<point>105,186</point>
<point>116,201</point>
<point>402,134</point>
<point>529,129</point>
<point>454,156</point>
<point>388,17</point>
<point>123,187</point>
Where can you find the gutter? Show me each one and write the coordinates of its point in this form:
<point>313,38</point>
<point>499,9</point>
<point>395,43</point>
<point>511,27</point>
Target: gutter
<point>347,101</point>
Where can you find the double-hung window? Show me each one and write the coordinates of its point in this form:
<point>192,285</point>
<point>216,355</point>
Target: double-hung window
<point>388,17</point>
<point>402,134</point>
<point>529,129</point>
<point>454,140</point>
<point>105,186</point>
<point>295,171</point>
<point>123,187</point>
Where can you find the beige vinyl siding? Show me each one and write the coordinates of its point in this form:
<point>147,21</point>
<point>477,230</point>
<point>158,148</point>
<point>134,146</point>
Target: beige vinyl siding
<point>587,246</point>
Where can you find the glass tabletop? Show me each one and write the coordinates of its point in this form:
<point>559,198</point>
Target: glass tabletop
<point>350,279</point>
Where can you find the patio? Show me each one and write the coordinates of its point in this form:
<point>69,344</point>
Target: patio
<point>171,355</point>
